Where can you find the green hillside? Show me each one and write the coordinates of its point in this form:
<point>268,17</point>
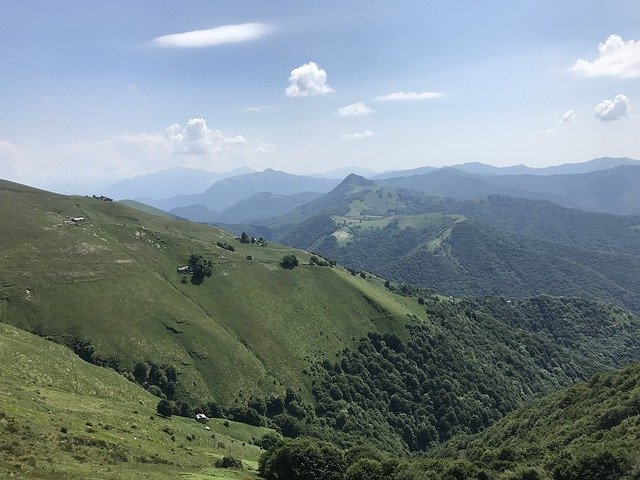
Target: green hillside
<point>493,245</point>
<point>111,281</point>
<point>62,418</point>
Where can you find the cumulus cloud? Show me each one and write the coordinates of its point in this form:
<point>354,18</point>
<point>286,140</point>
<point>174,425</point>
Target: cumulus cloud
<point>308,80</point>
<point>567,117</point>
<point>354,110</point>
<point>358,136</point>
<point>196,138</point>
<point>408,96</point>
<point>616,58</point>
<point>213,36</point>
<point>609,110</point>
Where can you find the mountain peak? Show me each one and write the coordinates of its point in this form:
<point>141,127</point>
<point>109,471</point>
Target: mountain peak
<point>353,179</point>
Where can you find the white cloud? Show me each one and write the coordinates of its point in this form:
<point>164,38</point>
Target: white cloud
<point>259,108</point>
<point>358,136</point>
<point>616,58</point>
<point>213,36</point>
<point>354,110</point>
<point>609,110</point>
<point>196,138</point>
<point>408,96</point>
<point>567,117</point>
<point>308,80</point>
<point>548,131</point>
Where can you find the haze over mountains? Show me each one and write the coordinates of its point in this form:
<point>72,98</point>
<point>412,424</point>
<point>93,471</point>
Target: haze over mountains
<point>604,184</point>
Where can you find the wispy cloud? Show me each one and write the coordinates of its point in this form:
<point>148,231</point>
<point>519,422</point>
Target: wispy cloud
<point>616,58</point>
<point>567,117</point>
<point>214,36</point>
<point>609,110</point>
<point>354,110</point>
<point>258,108</point>
<point>358,136</point>
<point>308,80</point>
<point>408,96</point>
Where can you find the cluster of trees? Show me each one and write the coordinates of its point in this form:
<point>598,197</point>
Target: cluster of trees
<point>321,262</point>
<point>161,380</point>
<point>244,238</point>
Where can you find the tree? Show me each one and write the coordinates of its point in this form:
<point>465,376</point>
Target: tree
<point>200,268</point>
<point>244,238</point>
<point>289,261</point>
<point>164,408</point>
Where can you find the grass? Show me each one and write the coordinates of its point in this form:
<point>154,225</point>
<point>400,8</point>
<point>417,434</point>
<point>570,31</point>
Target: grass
<point>63,418</point>
<point>143,207</point>
<point>252,328</point>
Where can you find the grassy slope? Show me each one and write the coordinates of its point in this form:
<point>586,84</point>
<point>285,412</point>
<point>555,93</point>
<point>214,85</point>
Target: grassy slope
<point>45,387</point>
<point>250,328</point>
<point>143,207</point>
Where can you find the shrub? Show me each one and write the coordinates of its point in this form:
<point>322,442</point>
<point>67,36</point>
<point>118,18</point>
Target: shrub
<point>289,261</point>
<point>229,462</point>
<point>164,408</point>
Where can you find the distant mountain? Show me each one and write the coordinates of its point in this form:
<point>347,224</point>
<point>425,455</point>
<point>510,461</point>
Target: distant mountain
<point>264,206</point>
<point>499,244</point>
<point>479,168</point>
<point>231,190</point>
<point>456,183</point>
<point>340,173</point>
<point>614,190</point>
<point>168,183</point>
<point>602,163</point>
<point>404,173</point>
<point>258,209</point>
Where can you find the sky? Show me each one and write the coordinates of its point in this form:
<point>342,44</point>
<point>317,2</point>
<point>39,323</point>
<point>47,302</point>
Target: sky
<point>92,92</point>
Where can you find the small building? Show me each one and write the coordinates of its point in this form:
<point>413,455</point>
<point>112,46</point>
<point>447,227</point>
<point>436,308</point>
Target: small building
<point>76,220</point>
<point>185,270</point>
<point>202,418</point>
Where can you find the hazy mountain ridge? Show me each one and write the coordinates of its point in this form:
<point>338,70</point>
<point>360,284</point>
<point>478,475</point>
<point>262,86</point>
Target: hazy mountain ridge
<point>168,183</point>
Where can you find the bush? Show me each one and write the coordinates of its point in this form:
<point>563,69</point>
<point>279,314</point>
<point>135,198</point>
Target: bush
<point>226,246</point>
<point>289,261</point>
<point>229,462</point>
<point>164,408</point>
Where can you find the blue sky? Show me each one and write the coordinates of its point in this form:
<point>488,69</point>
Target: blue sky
<point>91,91</point>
